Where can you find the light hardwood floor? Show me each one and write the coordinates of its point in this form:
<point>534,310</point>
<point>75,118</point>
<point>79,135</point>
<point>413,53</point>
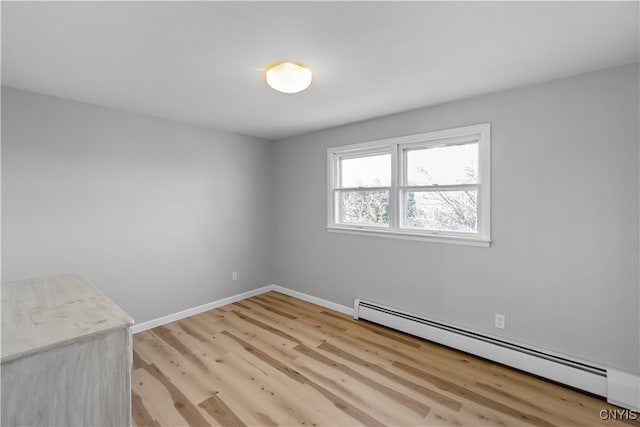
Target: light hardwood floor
<point>276,360</point>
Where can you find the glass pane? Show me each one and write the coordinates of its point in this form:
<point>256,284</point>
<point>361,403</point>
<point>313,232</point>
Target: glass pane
<point>365,207</point>
<point>367,171</point>
<point>454,164</point>
<point>442,210</point>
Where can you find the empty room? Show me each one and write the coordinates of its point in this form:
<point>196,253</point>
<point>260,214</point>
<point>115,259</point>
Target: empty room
<point>307,213</point>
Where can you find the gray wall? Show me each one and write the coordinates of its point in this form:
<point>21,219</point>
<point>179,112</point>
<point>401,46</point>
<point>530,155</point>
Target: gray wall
<point>155,213</point>
<point>563,266</point>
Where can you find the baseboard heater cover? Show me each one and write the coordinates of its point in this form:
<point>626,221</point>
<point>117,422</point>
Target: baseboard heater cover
<point>574,373</point>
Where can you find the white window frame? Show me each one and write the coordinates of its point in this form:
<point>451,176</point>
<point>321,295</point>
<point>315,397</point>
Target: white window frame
<point>396,147</point>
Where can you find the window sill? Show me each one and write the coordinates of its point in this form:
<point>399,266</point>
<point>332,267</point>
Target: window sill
<point>424,237</point>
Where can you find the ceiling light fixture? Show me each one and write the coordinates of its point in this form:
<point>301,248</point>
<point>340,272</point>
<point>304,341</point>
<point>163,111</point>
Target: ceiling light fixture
<point>289,78</point>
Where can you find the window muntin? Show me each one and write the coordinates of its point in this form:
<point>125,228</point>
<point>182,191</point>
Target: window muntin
<point>433,186</point>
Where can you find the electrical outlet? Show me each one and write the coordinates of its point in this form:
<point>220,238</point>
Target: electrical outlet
<point>234,275</point>
<point>501,321</point>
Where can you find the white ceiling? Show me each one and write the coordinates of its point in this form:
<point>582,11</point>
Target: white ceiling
<point>201,62</point>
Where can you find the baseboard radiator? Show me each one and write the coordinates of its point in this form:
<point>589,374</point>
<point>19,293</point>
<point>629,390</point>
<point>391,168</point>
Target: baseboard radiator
<point>575,373</point>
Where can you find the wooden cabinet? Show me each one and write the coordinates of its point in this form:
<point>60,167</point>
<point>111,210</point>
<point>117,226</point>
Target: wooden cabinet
<point>66,355</point>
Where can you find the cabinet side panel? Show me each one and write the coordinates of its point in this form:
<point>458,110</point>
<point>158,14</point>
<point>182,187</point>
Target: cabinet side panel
<point>82,383</point>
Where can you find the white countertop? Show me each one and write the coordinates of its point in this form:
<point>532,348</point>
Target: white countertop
<point>42,313</point>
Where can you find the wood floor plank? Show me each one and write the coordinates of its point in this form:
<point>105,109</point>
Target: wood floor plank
<point>188,411</point>
<point>140,414</point>
<point>403,399</point>
<point>296,376</point>
<point>295,306</point>
<point>388,351</point>
<point>358,395</point>
<point>272,309</point>
<point>246,394</point>
<point>398,379</point>
<point>278,347</point>
<point>265,327</point>
<point>472,396</point>
<point>299,402</point>
<point>170,338</point>
<point>180,371</point>
<point>524,403</point>
<point>274,360</point>
<point>138,362</point>
<point>210,348</point>
<point>221,412</point>
<point>298,329</point>
<point>191,327</point>
<point>306,323</point>
<point>156,399</point>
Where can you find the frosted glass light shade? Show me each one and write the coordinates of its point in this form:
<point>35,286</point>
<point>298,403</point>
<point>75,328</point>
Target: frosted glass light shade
<point>288,77</point>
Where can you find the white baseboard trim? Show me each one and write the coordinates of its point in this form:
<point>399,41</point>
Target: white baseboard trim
<point>199,309</point>
<point>235,298</point>
<point>623,389</point>
<point>314,300</point>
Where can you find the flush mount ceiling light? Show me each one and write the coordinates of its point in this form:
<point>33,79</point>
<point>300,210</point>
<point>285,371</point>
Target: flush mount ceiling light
<point>288,78</point>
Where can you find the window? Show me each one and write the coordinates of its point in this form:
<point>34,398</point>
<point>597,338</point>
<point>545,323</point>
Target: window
<point>433,186</point>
